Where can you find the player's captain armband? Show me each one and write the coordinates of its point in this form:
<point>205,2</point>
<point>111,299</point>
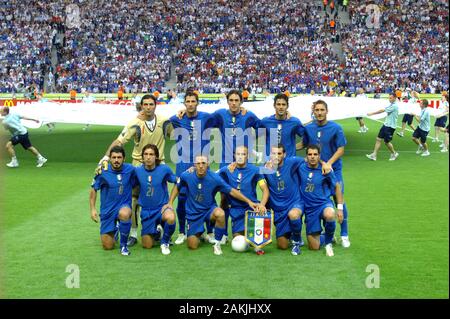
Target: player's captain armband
<point>261,182</point>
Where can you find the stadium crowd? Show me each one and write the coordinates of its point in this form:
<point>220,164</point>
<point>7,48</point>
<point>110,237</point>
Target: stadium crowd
<point>112,47</point>
<point>408,50</point>
<point>283,47</point>
<point>215,45</point>
<point>25,42</point>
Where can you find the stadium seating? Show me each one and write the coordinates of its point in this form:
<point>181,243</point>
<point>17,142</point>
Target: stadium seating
<point>261,45</point>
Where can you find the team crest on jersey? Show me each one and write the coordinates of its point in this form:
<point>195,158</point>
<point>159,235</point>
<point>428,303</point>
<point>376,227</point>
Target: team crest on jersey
<point>278,173</point>
<point>319,133</point>
<point>310,175</point>
<point>178,180</point>
<point>280,126</point>
<point>199,186</point>
<point>119,177</point>
<point>150,179</point>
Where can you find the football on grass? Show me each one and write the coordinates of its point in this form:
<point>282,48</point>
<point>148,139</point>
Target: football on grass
<point>239,244</point>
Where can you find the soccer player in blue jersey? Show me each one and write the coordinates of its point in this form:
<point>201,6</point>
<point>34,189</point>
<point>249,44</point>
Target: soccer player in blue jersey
<point>387,130</point>
<point>331,140</point>
<point>243,178</point>
<point>201,187</point>
<point>316,190</point>
<point>19,135</point>
<point>152,177</point>
<point>189,141</point>
<point>420,133</point>
<point>280,129</point>
<point>235,126</point>
<point>115,184</point>
<point>146,128</point>
<point>284,199</point>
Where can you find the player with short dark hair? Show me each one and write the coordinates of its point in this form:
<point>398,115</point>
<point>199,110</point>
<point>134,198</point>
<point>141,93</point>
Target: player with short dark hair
<point>189,129</point>
<point>284,199</point>
<point>280,129</point>
<point>19,136</point>
<point>316,190</point>
<point>115,182</point>
<point>152,178</point>
<point>330,137</point>
<point>146,128</point>
<point>235,125</point>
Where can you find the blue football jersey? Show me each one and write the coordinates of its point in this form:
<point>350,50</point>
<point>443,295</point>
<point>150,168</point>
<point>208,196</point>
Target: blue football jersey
<point>235,130</point>
<point>201,191</point>
<point>153,192</point>
<point>189,140</point>
<point>282,131</point>
<point>115,188</point>
<point>244,180</point>
<point>315,188</point>
<point>329,137</point>
<point>283,184</point>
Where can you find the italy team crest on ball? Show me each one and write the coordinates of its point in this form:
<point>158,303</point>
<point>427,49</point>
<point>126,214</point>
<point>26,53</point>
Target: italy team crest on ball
<point>258,228</point>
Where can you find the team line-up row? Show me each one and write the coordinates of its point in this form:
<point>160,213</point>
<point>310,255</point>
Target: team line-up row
<point>327,134</point>
<point>148,128</point>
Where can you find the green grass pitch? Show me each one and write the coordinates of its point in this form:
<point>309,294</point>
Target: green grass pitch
<point>398,221</point>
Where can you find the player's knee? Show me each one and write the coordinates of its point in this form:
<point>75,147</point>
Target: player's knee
<point>125,214</point>
<point>169,217</point>
<point>282,243</point>
<point>313,245</point>
<point>192,242</point>
<point>219,214</point>
<point>147,242</point>
<point>107,245</point>
<point>329,215</point>
<point>294,214</point>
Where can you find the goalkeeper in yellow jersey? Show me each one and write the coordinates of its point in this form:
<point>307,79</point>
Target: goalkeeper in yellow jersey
<point>146,128</point>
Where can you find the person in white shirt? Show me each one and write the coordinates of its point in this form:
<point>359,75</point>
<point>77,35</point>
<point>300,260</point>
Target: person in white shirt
<point>441,119</point>
<point>422,130</point>
<point>409,117</point>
